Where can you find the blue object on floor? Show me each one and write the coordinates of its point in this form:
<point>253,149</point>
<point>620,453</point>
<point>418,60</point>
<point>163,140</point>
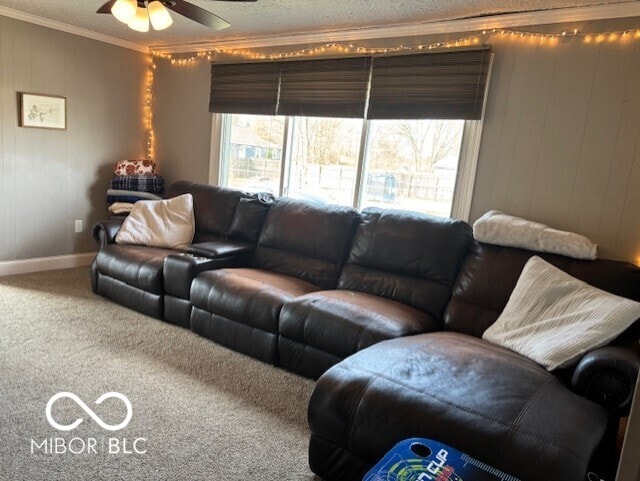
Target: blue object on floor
<point>418,459</point>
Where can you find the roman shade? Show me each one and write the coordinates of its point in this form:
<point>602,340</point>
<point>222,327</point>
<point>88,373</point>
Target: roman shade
<point>447,84</point>
<point>245,88</point>
<point>436,85</point>
<point>325,88</point>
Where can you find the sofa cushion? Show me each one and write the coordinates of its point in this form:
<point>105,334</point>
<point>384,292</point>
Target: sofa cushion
<point>444,386</point>
<point>343,322</point>
<point>306,240</point>
<point>406,256</point>
<point>489,275</point>
<point>248,296</point>
<point>137,266</point>
<point>214,208</point>
<point>249,216</point>
<point>553,318</point>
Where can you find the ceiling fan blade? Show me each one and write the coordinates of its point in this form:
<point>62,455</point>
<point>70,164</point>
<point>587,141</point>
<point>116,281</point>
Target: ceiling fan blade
<point>106,8</point>
<point>198,14</point>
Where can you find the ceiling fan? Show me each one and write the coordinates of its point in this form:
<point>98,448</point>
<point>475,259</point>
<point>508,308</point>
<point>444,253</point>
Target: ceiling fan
<point>137,14</point>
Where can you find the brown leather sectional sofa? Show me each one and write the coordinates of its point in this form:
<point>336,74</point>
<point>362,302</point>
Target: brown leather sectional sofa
<point>386,308</point>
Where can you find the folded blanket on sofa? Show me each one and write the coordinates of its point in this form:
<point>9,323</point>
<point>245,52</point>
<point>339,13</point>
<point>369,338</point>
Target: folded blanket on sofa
<point>121,207</point>
<point>139,183</point>
<point>116,195</point>
<point>501,229</point>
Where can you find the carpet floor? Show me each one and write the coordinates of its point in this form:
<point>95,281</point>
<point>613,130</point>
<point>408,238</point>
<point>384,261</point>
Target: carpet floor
<point>198,411</point>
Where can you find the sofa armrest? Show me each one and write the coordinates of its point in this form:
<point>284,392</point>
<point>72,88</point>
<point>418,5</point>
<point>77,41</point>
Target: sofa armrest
<point>181,269</point>
<point>104,232</point>
<point>607,376</point>
<point>223,248</point>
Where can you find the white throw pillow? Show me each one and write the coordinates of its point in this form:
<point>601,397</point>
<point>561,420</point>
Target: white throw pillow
<point>554,318</point>
<point>160,223</point>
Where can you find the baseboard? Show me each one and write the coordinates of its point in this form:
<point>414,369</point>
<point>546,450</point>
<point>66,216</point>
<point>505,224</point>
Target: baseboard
<point>40,264</point>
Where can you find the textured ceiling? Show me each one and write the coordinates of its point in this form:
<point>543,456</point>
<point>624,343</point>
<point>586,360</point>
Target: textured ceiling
<point>278,17</point>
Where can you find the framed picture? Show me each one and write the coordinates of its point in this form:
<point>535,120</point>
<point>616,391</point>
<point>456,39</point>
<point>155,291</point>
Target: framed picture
<point>43,111</point>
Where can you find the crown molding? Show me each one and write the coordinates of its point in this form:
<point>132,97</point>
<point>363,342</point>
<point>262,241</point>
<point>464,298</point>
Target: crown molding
<point>64,27</point>
<point>539,17</point>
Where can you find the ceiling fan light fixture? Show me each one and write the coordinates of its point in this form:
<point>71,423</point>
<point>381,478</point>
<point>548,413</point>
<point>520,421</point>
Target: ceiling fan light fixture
<point>124,10</point>
<point>140,21</point>
<point>159,15</point>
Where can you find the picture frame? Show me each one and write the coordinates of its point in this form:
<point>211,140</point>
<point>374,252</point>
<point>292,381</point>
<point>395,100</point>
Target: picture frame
<point>43,111</point>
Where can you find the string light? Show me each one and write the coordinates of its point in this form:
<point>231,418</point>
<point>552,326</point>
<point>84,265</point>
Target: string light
<point>148,107</point>
<point>351,49</point>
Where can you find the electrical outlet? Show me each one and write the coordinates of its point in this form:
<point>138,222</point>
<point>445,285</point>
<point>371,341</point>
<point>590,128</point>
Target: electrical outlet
<point>78,226</point>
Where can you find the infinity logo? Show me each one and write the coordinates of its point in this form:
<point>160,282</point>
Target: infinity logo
<point>89,411</point>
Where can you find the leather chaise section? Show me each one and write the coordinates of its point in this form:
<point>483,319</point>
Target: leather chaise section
<point>519,418</point>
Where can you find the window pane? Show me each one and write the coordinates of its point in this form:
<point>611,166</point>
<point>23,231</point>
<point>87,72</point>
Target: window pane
<point>253,152</point>
<point>412,164</point>
<point>324,159</point>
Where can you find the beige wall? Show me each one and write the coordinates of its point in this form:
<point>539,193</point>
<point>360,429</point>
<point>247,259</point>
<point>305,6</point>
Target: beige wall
<point>560,142</point>
<point>49,178</point>
<point>182,120</point>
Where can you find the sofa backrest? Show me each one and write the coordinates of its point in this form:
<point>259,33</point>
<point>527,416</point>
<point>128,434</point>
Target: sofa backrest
<point>306,240</point>
<point>406,256</point>
<point>490,273</point>
<point>214,208</point>
<point>249,217</point>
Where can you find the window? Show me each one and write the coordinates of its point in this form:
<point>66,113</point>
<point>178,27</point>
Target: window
<point>324,159</point>
<point>361,131</point>
<point>404,164</point>
<point>412,164</point>
<point>253,152</point>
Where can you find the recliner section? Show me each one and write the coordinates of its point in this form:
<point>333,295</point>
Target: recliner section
<point>132,276</point>
<point>396,282</point>
<point>301,249</point>
<point>239,308</point>
<point>227,223</point>
<point>236,249</point>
